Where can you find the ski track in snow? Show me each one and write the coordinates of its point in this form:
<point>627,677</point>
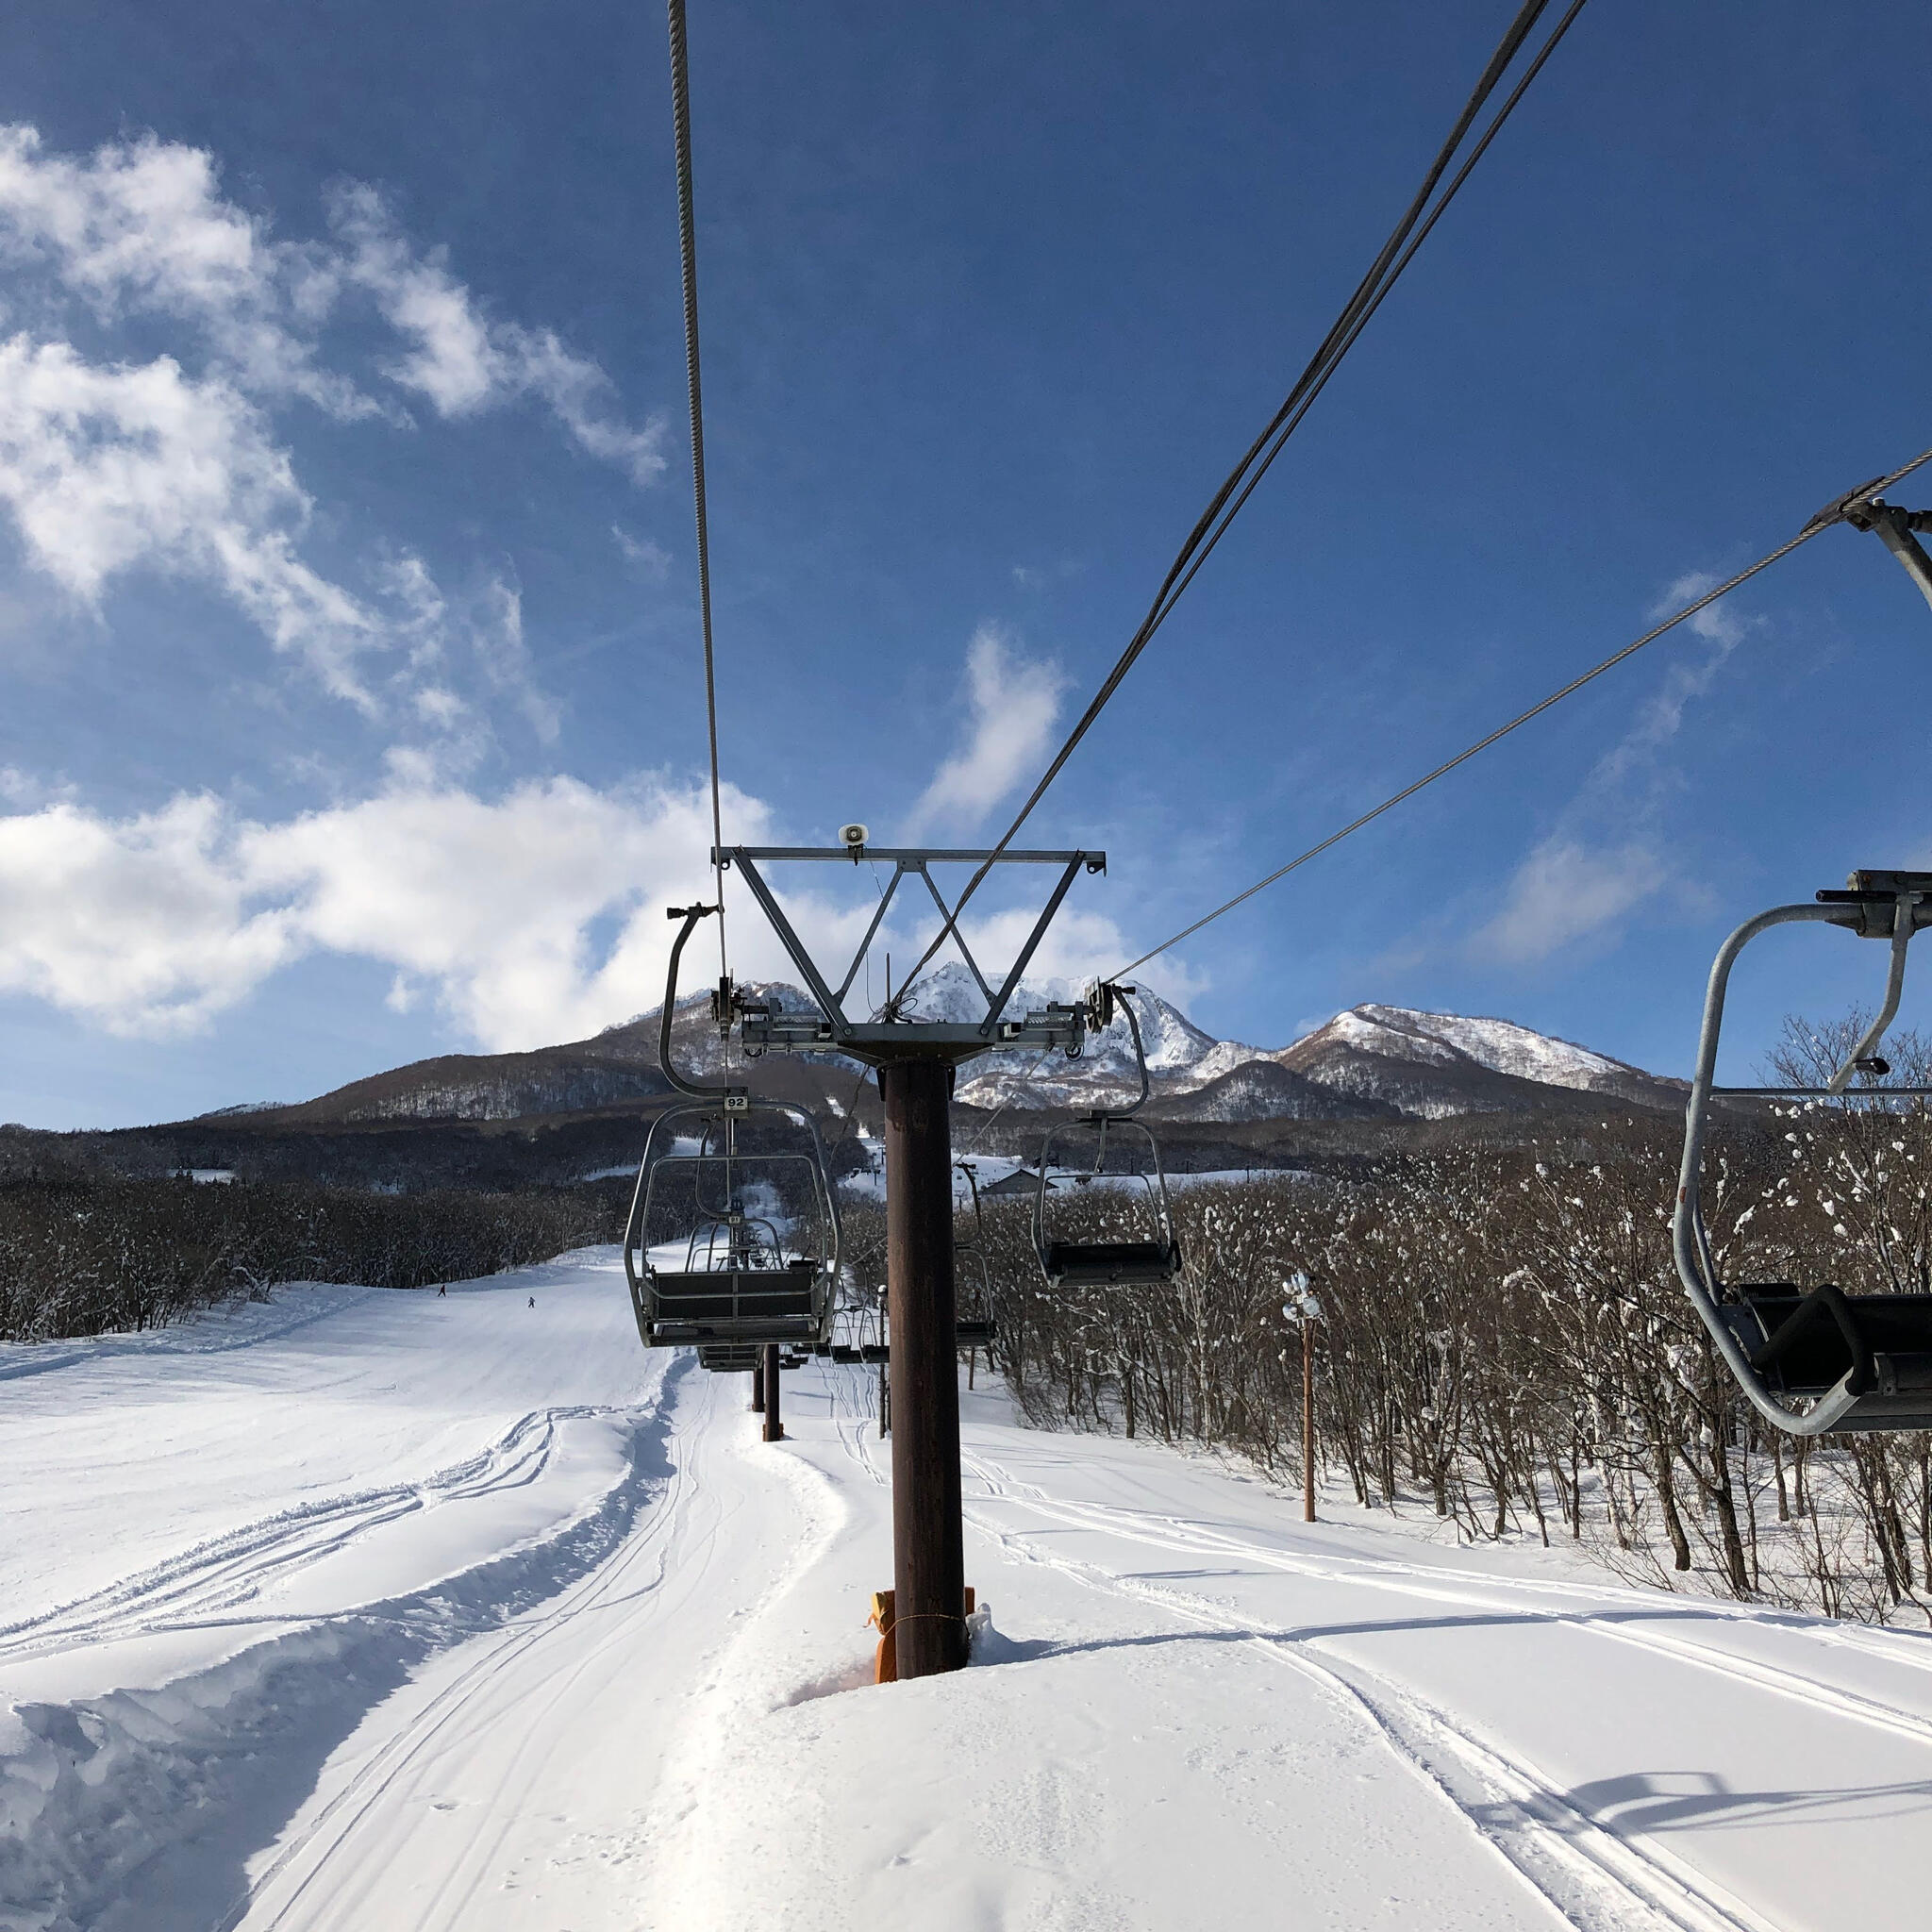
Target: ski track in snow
<point>278,1893</point>
<point>1411,1580</point>
<point>233,1569</point>
<point>619,1698</point>
<point>1599,1882</point>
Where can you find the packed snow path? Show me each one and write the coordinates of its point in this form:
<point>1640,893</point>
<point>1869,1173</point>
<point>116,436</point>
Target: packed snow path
<point>398,1613</point>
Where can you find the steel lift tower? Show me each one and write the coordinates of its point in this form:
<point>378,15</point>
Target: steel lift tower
<point>916,1061</point>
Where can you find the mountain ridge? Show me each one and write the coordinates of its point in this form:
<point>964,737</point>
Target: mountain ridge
<point>1371,1061</point>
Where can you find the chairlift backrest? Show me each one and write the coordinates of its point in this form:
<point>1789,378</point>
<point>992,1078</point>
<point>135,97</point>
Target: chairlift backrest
<point>1856,1363</point>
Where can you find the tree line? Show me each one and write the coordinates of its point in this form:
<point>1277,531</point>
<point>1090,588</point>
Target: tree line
<point>84,1255</point>
<point>1503,1344</point>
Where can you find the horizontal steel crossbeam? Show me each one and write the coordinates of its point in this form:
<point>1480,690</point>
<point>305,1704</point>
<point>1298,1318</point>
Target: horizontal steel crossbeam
<point>918,855</point>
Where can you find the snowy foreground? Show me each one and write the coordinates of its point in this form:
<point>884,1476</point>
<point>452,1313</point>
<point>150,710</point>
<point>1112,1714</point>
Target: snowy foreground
<point>393,1613</point>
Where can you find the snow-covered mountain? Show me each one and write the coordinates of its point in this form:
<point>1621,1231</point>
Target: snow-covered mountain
<point>1431,1065</point>
<point>1180,1056</point>
<point>1371,1062</point>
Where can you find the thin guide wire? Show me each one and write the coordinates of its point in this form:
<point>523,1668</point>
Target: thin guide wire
<point>1555,697</point>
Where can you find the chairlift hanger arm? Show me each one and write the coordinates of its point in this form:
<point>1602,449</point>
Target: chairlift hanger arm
<point>1893,528</point>
<point>690,915</point>
<point>1107,995</point>
<point>1904,925</point>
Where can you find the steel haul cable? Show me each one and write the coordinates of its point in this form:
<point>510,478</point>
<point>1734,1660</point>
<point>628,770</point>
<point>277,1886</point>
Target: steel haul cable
<point>687,236</point>
<point>1555,697</point>
<point>1395,256</point>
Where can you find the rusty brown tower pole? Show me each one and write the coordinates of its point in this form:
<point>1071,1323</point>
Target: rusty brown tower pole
<point>928,1559</point>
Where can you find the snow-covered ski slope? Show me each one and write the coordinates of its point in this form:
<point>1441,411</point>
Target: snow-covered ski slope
<point>397,1613</point>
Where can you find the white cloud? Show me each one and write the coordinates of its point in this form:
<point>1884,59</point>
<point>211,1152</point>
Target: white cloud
<point>172,463</point>
<point>1604,858</point>
<point>140,225</point>
<point>1013,707</point>
<point>107,468</point>
<point>489,902</point>
<point>642,553</point>
<point>142,925</point>
<point>151,925</point>
<point>1714,623</point>
<point>460,359</point>
<point>1565,891</point>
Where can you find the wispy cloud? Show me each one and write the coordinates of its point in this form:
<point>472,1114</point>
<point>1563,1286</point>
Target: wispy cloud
<point>464,360</point>
<point>1566,891</point>
<point>106,468</point>
<point>1011,706</point>
<point>1605,856</point>
<point>641,553</point>
<point>173,464</point>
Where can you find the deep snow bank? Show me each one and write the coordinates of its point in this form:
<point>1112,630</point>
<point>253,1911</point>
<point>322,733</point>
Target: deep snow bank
<point>238,1536</point>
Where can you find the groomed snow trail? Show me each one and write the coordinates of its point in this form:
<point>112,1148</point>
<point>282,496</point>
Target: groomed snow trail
<point>398,1613</point>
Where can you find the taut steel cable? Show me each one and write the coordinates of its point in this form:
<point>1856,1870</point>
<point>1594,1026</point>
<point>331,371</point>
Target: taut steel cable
<point>687,236</point>
<point>1395,256</point>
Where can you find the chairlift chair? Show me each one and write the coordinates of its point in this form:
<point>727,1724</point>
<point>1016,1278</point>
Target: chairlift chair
<point>730,1358</point>
<point>1151,1263</point>
<point>1860,1362</point>
<point>737,1276</point>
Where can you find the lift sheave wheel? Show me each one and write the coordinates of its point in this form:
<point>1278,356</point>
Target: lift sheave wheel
<point>1854,1362</point>
<point>1138,1180</point>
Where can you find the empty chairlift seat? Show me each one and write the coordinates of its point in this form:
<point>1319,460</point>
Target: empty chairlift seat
<point>1813,1361</point>
<point>1135,1192</point>
<point>729,1358</point>
<point>1806,1344</point>
<point>1133,1186</point>
<point>1110,1264</point>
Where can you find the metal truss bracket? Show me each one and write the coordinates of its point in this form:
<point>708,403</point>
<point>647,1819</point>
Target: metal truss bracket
<point>883,1038</point>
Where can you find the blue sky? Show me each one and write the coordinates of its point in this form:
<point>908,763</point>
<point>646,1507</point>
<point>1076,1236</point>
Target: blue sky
<point>346,588</point>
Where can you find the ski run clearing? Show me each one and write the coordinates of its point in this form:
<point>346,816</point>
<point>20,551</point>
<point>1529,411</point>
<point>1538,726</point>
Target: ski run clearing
<point>396,1612</point>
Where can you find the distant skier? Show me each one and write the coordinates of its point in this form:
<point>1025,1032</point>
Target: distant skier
<point>533,1301</point>
<point>441,1290</point>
